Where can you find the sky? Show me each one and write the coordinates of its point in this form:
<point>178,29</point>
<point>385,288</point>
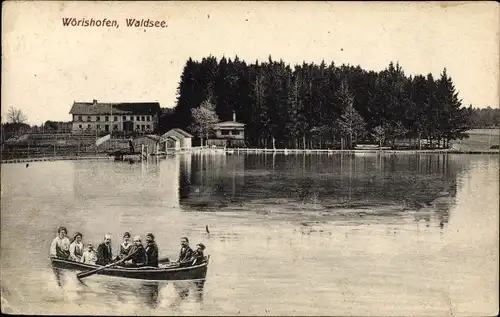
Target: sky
<point>47,66</point>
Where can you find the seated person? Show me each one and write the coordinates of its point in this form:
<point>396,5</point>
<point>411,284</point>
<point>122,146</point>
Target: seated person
<point>124,247</point>
<point>137,256</point>
<point>198,256</point>
<point>104,251</point>
<point>60,245</point>
<point>89,256</point>
<point>186,253</point>
<point>151,251</point>
<point>76,248</point>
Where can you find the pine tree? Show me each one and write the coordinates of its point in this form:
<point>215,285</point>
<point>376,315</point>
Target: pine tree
<point>350,124</point>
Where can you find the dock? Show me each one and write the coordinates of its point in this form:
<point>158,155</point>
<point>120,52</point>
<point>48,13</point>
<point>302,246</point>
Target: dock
<point>238,151</point>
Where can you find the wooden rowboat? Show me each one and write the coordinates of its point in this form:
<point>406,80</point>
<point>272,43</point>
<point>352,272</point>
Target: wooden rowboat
<point>162,273</point>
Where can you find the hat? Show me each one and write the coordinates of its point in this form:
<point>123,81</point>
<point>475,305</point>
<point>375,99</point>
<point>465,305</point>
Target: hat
<point>149,234</point>
<point>126,235</point>
<point>201,245</point>
<point>77,234</point>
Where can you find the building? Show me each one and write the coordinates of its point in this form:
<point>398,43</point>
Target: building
<point>185,139</point>
<point>151,143</point>
<point>232,132</point>
<point>168,143</point>
<point>126,117</point>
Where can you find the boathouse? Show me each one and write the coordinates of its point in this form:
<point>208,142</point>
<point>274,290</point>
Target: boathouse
<point>229,133</point>
<point>126,117</point>
<point>184,138</point>
<point>168,143</point>
<point>151,143</point>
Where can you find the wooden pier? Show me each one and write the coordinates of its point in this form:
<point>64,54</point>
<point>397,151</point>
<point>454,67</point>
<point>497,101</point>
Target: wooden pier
<point>238,151</point>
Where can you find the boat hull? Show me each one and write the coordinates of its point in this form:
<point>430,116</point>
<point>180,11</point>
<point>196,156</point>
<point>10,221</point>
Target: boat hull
<point>196,272</point>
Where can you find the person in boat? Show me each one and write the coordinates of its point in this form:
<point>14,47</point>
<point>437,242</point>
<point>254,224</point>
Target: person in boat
<point>198,256</point>
<point>104,251</point>
<point>89,256</point>
<point>124,247</point>
<point>186,253</point>
<point>137,256</point>
<point>60,245</point>
<point>151,250</point>
<point>76,248</point>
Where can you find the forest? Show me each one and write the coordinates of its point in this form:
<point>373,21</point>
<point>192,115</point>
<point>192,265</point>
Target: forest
<point>322,106</point>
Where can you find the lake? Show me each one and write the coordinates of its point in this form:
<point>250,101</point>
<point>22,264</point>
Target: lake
<point>298,234</point>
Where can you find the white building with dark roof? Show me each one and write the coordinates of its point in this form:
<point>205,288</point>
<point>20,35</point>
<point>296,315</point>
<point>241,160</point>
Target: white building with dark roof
<point>185,139</point>
<point>125,117</point>
<point>229,133</point>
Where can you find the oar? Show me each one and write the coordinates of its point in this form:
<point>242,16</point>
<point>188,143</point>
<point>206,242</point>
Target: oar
<point>92,272</point>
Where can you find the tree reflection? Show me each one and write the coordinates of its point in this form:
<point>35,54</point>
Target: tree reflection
<point>361,180</point>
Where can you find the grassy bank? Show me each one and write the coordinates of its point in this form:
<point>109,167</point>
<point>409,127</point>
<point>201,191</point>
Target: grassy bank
<point>479,140</point>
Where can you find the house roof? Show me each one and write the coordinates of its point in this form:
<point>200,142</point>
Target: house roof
<point>95,108</point>
<point>171,136</point>
<point>147,136</point>
<point>184,133</point>
<point>229,124</point>
<point>178,133</point>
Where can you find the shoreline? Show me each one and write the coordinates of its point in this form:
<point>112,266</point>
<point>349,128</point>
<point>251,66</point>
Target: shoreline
<point>197,150</point>
<point>323,151</point>
<point>56,158</point>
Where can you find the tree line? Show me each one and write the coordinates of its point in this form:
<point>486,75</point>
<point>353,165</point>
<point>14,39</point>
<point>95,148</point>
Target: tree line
<point>319,106</point>
<point>483,118</point>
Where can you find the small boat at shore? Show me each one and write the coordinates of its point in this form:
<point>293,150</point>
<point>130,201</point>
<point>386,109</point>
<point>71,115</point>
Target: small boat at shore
<point>162,273</point>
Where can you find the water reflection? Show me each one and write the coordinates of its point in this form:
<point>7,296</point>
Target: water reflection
<point>413,229</point>
<point>423,182</point>
<point>184,289</point>
<point>120,290</point>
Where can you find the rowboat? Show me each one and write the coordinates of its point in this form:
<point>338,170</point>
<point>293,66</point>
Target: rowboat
<point>162,273</point>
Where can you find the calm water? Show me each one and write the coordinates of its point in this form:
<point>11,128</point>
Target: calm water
<point>296,234</point>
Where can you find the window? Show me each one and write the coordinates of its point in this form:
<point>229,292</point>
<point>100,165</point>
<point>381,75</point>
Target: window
<point>132,118</point>
<point>115,127</point>
<point>224,132</point>
<point>79,126</point>
<point>88,126</point>
<point>106,127</point>
<point>80,118</point>
<point>89,118</point>
<point>106,118</point>
<point>98,118</point>
<point>116,118</point>
<point>148,118</point>
<point>148,127</point>
<point>143,127</point>
<point>142,118</point>
<point>138,118</point>
<point>98,126</point>
<point>235,132</point>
